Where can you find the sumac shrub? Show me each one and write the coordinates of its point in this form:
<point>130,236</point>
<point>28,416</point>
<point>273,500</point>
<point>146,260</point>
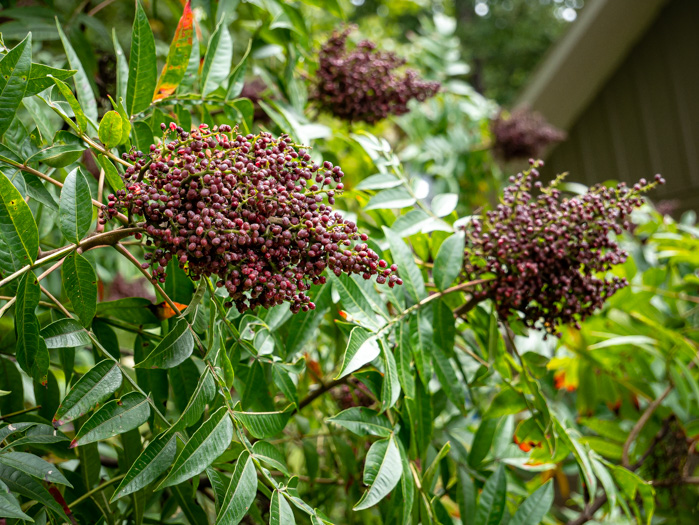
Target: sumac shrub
<point>204,319</point>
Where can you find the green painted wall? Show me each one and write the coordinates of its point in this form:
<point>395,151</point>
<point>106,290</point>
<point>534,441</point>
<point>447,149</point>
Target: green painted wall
<point>645,120</point>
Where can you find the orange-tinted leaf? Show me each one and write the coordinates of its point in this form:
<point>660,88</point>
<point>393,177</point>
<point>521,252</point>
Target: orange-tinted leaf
<point>178,56</point>
<point>163,310</point>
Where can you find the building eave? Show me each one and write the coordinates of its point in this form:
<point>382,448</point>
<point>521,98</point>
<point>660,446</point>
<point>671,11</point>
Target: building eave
<point>580,64</point>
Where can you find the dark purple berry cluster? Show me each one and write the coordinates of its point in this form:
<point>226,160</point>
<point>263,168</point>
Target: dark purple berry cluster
<point>546,255</point>
<point>249,210</point>
<point>362,85</point>
<point>523,135</point>
<point>356,394</point>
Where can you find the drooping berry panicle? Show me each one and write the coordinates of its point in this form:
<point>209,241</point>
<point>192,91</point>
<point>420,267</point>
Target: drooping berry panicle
<point>547,255</point>
<point>249,210</point>
<point>522,135</point>
<point>362,85</point>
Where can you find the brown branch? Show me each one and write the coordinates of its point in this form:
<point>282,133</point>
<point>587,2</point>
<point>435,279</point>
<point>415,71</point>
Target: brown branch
<point>120,217</point>
<point>467,307</point>
<point>12,300</point>
<point>320,391</point>
<point>96,240</point>
<point>688,480</point>
<point>126,253</point>
<point>590,510</point>
<point>636,430</point>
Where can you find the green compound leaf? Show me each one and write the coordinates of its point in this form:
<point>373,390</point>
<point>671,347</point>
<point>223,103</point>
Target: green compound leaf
<point>535,507</point>
<point>390,387</point>
<point>280,512</point>
<point>28,350</point>
<point>20,483</point>
<point>236,80</point>
<point>354,301</point>
<point>65,333</point>
<point>363,421</point>
<point>10,381</point>
<point>58,155</point>
<point>122,68</point>
<point>217,62</point>
<point>40,435</point>
<point>110,130</point>
<point>205,445</point>
<point>143,70</point>
<point>15,68</point>
<point>111,173</point>
<point>80,118</point>
<point>268,453</point>
<point>93,388</point>
<point>491,506</point>
<point>391,198</point>
<point>362,348</point>
<point>204,393</point>
<point>264,424</point>
<point>175,347</point>
<point>75,206</point>
<point>151,463</point>
<point>34,466</point>
<point>9,506</point>
<point>83,88</point>
<point>80,284</point>
<point>407,269</point>
<point>17,227</point>
<point>449,261</point>
<point>114,418</point>
<point>382,471</point>
<point>240,493</point>
<point>40,78</point>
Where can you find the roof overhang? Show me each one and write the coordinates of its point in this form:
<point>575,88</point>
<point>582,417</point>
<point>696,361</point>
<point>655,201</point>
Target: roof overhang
<point>580,64</point>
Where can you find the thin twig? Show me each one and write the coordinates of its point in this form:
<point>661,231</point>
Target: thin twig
<point>12,300</point>
<point>19,412</point>
<point>99,7</point>
<point>306,479</point>
<point>690,480</point>
<point>126,253</point>
<point>636,430</point>
<point>320,391</point>
<point>100,190</point>
<point>106,353</point>
<point>94,241</point>
<point>121,217</point>
<point>104,151</point>
<point>97,489</point>
<point>667,293</point>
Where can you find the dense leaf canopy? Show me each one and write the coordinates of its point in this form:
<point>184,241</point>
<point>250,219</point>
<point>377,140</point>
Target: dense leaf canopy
<point>223,302</point>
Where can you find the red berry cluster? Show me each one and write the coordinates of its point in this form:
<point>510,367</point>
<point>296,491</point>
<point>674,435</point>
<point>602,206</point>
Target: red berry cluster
<point>249,210</point>
<point>523,135</point>
<point>361,85</point>
<point>547,255</point>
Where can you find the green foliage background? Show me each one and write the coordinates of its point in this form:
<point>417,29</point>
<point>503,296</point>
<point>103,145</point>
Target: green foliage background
<point>261,420</point>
